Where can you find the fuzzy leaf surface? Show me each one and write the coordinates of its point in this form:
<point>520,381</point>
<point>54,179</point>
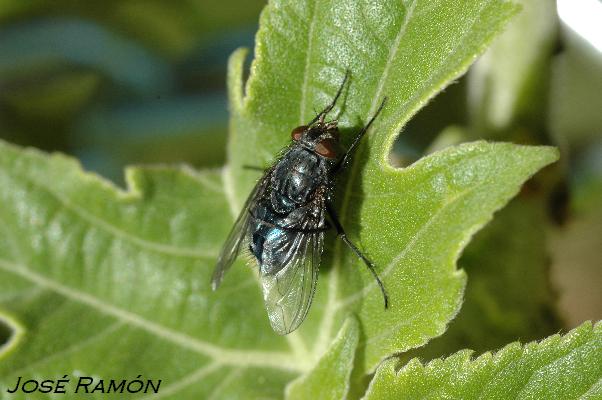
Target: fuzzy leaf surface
<point>497,309</point>
<point>559,367</point>
<point>330,378</point>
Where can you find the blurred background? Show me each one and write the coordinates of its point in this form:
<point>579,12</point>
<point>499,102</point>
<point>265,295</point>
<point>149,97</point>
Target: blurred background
<point>120,81</point>
<point>123,82</point>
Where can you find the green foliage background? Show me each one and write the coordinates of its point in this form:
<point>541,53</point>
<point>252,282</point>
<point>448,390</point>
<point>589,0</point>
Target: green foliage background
<point>124,272</point>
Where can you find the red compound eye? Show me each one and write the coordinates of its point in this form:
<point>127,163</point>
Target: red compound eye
<point>297,132</point>
<point>326,148</point>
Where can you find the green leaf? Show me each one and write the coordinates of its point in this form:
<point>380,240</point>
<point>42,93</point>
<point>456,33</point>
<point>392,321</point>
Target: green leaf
<point>497,309</point>
<point>559,367</point>
<point>135,265</point>
<point>115,283</point>
<point>407,51</point>
<point>330,378</point>
<point>413,223</point>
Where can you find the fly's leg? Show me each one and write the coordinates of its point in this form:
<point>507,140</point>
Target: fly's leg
<point>329,107</point>
<point>343,160</point>
<point>341,233</point>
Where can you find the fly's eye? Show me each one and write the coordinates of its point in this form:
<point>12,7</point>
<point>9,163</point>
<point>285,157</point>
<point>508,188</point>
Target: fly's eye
<point>297,132</point>
<point>326,148</point>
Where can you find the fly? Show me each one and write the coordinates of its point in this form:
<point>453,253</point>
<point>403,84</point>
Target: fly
<point>284,219</point>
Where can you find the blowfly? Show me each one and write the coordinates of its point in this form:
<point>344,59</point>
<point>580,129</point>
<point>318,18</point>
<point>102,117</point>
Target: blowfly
<point>286,215</point>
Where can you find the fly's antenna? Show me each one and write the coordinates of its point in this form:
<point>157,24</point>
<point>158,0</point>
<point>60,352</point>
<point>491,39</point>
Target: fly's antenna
<point>329,107</point>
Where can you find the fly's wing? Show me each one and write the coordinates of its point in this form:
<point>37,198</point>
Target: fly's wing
<point>232,245</point>
<point>288,293</point>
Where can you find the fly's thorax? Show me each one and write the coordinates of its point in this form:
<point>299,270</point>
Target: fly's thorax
<point>295,178</point>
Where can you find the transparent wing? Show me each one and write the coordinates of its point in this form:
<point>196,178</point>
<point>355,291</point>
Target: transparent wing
<point>234,241</point>
<point>288,293</point>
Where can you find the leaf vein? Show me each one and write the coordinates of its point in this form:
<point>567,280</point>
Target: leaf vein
<point>590,390</point>
<point>223,355</point>
<point>116,231</point>
<point>185,381</point>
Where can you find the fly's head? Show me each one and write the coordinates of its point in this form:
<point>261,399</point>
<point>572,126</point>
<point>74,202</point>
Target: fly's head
<point>319,137</point>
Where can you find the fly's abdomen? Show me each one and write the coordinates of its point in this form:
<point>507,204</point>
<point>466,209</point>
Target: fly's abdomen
<point>273,237</point>
<point>270,246</point>
<point>274,250</point>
